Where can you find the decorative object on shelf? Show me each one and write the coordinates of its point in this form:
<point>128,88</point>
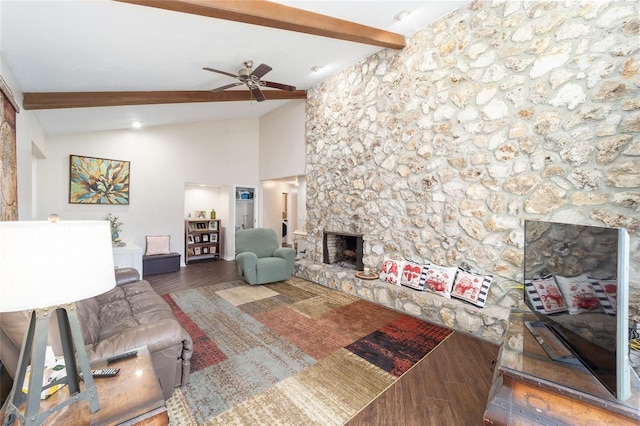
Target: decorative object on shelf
<point>98,180</point>
<point>115,230</point>
<point>81,246</point>
<point>366,275</point>
<point>213,226</point>
<point>200,214</point>
<point>213,214</point>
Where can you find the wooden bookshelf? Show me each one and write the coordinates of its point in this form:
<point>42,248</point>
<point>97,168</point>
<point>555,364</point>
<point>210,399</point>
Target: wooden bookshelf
<point>202,239</point>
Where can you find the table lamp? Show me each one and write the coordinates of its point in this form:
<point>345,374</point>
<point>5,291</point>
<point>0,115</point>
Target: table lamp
<point>45,268</point>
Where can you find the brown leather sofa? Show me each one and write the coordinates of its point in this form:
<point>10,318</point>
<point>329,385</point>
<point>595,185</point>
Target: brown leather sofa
<point>127,317</point>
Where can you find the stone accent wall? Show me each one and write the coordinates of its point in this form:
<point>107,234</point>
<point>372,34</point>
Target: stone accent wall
<point>500,112</point>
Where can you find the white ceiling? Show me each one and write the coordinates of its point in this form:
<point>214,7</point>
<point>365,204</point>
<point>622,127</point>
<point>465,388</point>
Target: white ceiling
<point>100,45</point>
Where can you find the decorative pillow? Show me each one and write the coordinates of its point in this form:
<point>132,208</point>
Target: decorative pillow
<point>472,288</point>
<point>579,294</point>
<point>413,275</point>
<point>439,279</point>
<point>158,244</point>
<point>606,291</point>
<point>545,295</point>
<point>391,271</point>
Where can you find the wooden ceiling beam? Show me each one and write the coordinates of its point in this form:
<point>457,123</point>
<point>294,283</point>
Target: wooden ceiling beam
<point>275,15</point>
<point>55,100</point>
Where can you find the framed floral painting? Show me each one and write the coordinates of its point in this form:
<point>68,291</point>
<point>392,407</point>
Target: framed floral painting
<point>98,180</point>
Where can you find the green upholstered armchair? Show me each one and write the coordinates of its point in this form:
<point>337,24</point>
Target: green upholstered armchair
<point>259,257</point>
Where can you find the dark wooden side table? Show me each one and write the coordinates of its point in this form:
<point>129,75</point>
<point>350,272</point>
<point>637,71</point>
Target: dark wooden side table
<point>133,397</point>
<point>529,388</point>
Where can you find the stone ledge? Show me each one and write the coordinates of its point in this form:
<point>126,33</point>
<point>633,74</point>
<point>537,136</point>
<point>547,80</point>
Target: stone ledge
<point>488,323</point>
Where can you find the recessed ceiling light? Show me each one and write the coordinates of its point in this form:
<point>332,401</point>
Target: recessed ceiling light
<point>136,124</point>
<point>400,16</point>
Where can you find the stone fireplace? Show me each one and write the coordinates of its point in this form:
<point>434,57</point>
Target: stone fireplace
<point>491,115</point>
<point>342,249</point>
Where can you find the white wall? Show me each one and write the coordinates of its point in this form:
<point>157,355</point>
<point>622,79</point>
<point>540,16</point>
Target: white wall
<point>282,141</point>
<point>163,159</point>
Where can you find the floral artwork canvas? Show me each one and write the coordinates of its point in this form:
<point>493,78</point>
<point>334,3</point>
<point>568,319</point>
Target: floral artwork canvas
<point>98,181</point>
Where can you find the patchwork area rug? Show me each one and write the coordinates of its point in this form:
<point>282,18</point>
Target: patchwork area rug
<point>290,353</point>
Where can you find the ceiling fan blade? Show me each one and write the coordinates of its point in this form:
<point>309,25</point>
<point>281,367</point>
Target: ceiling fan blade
<point>279,86</point>
<point>257,93</point>
<point>220,72</point>
<point>228,86</point>
<point>261,70</point>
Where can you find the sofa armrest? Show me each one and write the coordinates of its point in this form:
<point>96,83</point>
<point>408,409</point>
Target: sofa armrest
<point>248,266</point>
<point>126,275</point>
<point>156,335</point>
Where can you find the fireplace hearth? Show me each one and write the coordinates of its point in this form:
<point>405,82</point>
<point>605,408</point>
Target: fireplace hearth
<point>342,249</point>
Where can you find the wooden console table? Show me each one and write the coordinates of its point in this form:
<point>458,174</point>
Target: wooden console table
<point>133,397</point>
<point>529,388</point>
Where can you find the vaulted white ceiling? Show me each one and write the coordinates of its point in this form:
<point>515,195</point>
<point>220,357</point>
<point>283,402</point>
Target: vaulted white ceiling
<point>101,45</point>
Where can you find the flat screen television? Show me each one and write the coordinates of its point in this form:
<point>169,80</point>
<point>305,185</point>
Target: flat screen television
<point>577,282</point>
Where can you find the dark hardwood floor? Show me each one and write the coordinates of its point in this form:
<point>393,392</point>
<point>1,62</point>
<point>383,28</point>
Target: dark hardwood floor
<point>196,274</point>
<point>448,387</point>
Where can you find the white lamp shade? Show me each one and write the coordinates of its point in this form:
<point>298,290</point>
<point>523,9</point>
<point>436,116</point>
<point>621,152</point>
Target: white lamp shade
<point>48,264</point>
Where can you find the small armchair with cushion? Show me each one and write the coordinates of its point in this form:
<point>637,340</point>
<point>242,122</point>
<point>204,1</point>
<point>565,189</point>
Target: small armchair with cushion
<point>259,257</point>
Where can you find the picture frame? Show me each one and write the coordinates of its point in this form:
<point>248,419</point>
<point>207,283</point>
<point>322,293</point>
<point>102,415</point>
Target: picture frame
<point>205,250</point>
<point>205,238</point>
<point>190,239</point>
<point>95,180</point>
<point>213,226</point>
<point>197,239</point>
<point>213,238</point>
<point>196,251</point>
<point>212,250</point>
<point>200,214</point>
<point>190,227</point>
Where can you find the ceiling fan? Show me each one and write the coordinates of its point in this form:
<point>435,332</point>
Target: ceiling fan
<point>252,79</point>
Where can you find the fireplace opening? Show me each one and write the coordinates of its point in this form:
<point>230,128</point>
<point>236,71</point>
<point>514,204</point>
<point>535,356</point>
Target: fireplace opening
<point>342,249</point>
